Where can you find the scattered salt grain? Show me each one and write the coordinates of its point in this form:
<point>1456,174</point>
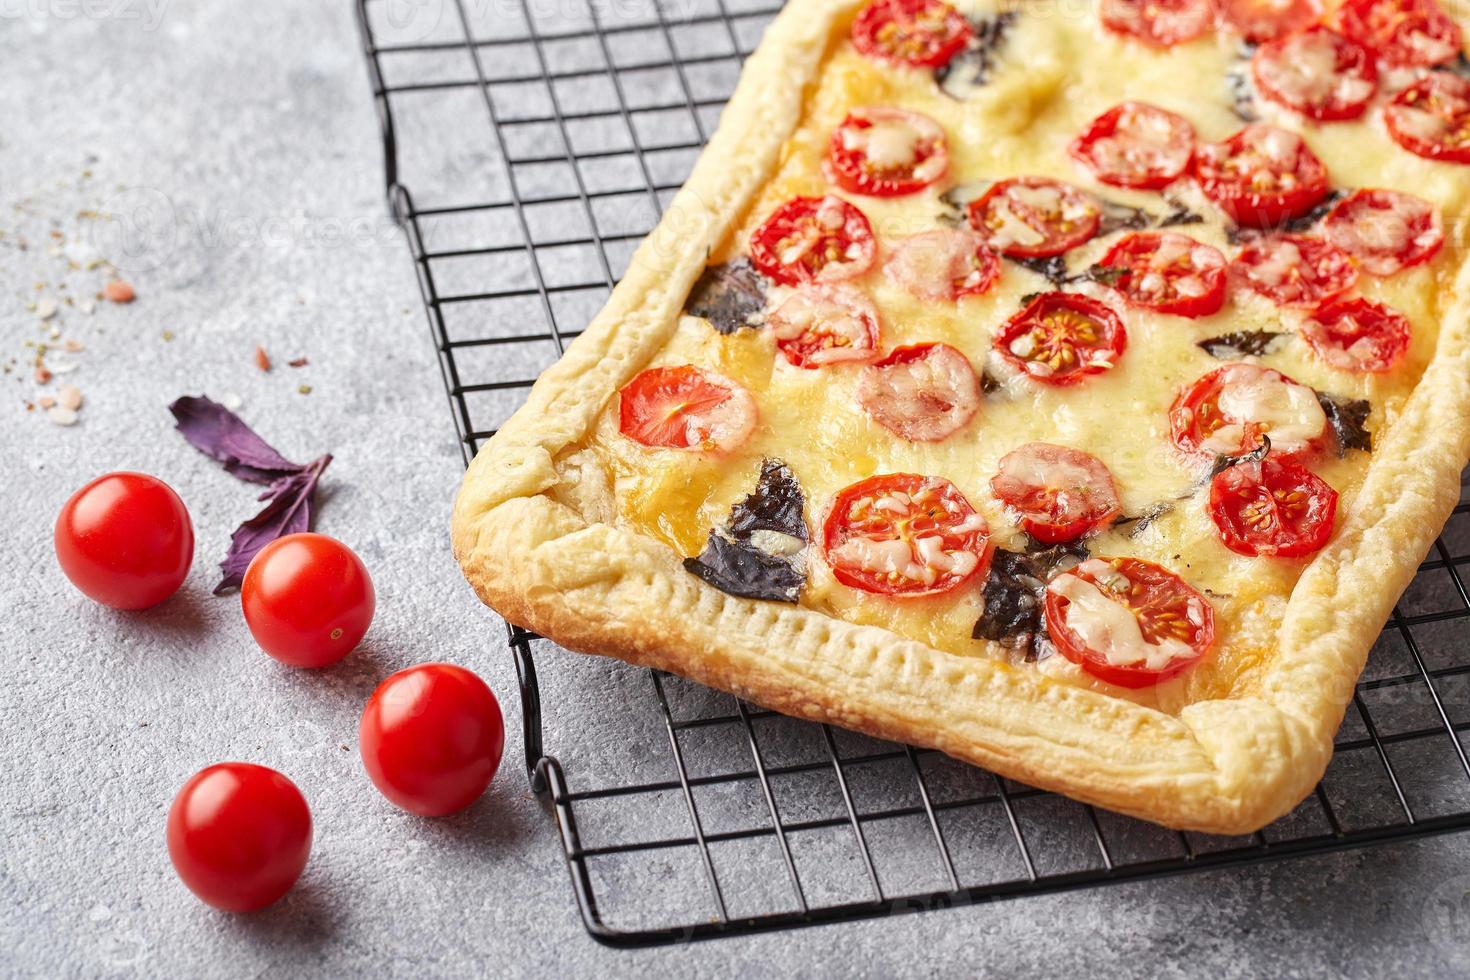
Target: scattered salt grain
<point>61,366</point>
<point>45,307</point>
<point>62,416</point>
<point>46,401</point>
<point>69,396</point>
<point>231,401</point>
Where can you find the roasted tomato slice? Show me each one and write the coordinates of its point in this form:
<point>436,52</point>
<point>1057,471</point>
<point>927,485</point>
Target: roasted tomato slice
<point>1272,507</point>
<point>1385,231</point>
<point>885,152</point>
<point>915,33</point>
<point>905,535</point>
<point>1264,20</point>
<point>1128,621</point>
<point>1261,176</point>
<point>1134,144</point>
<point>943,264</point>
<point>1162,23</point>
<point>1356,334</point>
<point>1061,338</point>
<point>820,325</point>
<point>1317,72</point>
<point>1056,493</point>
<point>1034,217</point>
<point>685,407</point>
<point>1432,117</point>
<point>923,393</point>
<point>1295,271</point>
<point>1226,412</point>
<point>1406,33</point>
<point>814,239</point>
<point>1166,272</point>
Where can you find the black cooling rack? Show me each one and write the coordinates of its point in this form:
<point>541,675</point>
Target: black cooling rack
<point>528,146</point>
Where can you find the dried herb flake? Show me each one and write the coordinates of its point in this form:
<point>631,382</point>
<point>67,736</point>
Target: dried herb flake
<point>731,296</point>
<point>760,552</point>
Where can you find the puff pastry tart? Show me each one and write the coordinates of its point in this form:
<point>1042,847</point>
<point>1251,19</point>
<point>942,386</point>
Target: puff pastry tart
<point>1070,389</point>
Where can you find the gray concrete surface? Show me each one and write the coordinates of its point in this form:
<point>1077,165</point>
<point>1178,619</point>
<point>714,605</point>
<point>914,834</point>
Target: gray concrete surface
<point>250,127</point>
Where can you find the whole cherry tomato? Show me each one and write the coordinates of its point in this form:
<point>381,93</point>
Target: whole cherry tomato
<point>431,738</point>
<point>125,540</point>
<point>307,599</point>
<point>239,835</point>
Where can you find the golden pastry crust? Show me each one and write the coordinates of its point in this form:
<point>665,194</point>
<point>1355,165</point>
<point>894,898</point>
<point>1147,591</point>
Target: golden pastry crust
<point>535,532</point>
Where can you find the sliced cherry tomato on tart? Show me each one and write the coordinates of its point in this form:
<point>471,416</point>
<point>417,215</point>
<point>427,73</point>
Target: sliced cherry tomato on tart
<point>912,33</point>
<point>1431,118</point>
<point>1162,23</point>
<point>905,535</point>
<point>1137,145</point>
<point>1316,72</point>
<point>814,239</point>
<point>1385,231</point>
<point>1261,176</point>
<point>1264,20</point>
<point>1295,271</point>
<point>1034,217</point>
<point>1061,338</point>
<point>1225,413</point>
<point>1128,621</point>
<point>1272,507</point>
<point>1403,33</point>
<point>1056,493</point>
<point>887,152</point>
<point>819,325</point>
<point>943,264</point>
<point>923,392</point>
<point>685,407</point>
<point>1356,334</point>
<point>1166,272</point>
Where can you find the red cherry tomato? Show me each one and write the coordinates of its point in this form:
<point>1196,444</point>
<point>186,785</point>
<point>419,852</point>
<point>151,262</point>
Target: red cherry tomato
<point>1272,507</point>
<point>1356,334</point>
<point>1061,338</point>
<point>887,152</point>
<point>1167,272</point>
<point>1295,271</point>
<point>1316,72</point>
<point>910,33</point>
<point>905,535</point>
<point>1226,412</point>
<point>685,407</point>
<point>1034,217</point>
<point>1264,20</point>
<point>1134,144</point>
<point>308,599</point>
<point>1261,176</point>
<point>1406,33</point>
<point>1431,118</point>
<point>239,835</point>
<point>820,325</point>
<point>922,393</point>
<point>125,540</point>
<point>1164,626</point>
<point>1161,23</point>
<point>1384,230</point>
<point>943,264</point>
<point>1056,493</point>
<point>812,239</point>
<point>431,738</point>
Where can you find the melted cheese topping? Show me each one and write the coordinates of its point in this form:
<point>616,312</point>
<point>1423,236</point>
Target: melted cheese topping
<point>1053,76</point>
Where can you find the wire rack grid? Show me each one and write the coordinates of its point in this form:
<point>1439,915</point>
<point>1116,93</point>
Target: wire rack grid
<point>543,141</point>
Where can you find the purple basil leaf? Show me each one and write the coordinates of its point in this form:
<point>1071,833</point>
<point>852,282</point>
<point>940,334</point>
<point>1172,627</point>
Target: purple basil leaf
<point>288,512</point>
<point>218,432</point>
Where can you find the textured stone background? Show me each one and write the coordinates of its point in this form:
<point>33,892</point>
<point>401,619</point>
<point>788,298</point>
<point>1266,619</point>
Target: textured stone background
<point>247,129</point>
